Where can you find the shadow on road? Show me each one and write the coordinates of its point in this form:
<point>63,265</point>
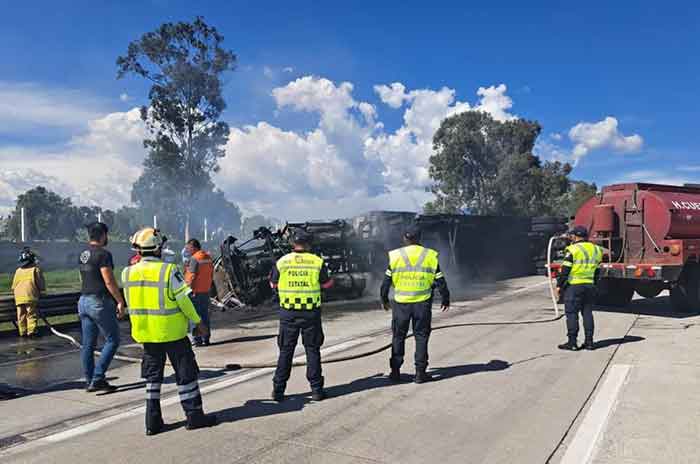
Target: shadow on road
<point>659,306</point>
<point>617,341</point>
<point>262,408</point>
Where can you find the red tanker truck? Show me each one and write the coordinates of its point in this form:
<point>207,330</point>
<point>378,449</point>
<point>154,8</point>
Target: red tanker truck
<point>653,234</point>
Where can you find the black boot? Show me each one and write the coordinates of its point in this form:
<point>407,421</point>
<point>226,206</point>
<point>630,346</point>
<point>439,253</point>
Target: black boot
<point>155,427</point>
<point>422,376</point>
<point>588,344</point>
<point>199,420</point>
<point>278,395</point>
<point>570,345</point>
<point>154,419</point>
<point>318,394</point>
<point>395,375</point>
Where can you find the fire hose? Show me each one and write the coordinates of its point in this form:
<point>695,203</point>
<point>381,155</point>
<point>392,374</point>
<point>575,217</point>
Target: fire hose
<point>364,354</point>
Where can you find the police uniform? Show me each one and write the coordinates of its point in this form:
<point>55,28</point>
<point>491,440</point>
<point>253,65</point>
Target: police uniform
<point>581,261</point>
<point>413,272</point>
<point>298,277</point>
<point>160,310</point>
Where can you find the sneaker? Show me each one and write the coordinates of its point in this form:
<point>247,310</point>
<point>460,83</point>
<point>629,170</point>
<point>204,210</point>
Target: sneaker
<point>277,395</point>
<point>318,395</point>
<point>101,385</point>
<point>569,346</point>
<point>422,376</point>
<point>201,420</point>
<point>395,375</point>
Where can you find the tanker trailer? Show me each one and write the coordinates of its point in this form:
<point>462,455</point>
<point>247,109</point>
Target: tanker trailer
<point>653,234</point>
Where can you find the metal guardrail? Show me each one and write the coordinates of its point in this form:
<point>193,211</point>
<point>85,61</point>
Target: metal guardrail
<point>58,304</point>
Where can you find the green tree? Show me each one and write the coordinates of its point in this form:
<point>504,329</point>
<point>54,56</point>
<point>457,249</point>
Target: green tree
<point>485,166</point>
<point>185,63</point>
<point>48,216</point>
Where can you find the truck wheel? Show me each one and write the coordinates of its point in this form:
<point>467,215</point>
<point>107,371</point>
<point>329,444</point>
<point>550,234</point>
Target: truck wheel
<point>685,296</point>
<point>615,292</point>
<point>649,289</point>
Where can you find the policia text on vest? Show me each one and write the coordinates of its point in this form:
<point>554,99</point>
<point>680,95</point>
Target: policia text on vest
<point>413,272</point>
<point>298,278</point>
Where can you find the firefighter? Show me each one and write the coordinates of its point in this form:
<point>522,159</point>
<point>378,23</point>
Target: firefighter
<point>199,275</point>
<point>577,283</point>
<point>414,272</point>
<point>27,285</point>
<point>298,278</point>
<point>160,309</point>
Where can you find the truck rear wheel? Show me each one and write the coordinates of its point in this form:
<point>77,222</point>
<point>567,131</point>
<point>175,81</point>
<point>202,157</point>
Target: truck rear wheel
<point>615,292</point>
<point>685,295</point>
<point>649,289</point>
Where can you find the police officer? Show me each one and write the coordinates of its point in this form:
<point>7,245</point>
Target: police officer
<point>160,308</point>
<point>577,282</point>
<point>298,278</point>
<point>414,272</point>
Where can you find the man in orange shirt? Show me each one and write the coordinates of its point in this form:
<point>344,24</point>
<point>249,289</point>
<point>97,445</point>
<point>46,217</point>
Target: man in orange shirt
<point>199,275</point>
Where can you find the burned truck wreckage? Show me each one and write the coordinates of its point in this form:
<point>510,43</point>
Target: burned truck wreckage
<point>355,250</point>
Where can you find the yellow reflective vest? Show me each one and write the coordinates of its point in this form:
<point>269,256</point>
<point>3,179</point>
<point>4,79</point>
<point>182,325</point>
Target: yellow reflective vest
<point>413,270</point>
<point>158,301</point>
<point>586,257</point>
<point>299,286</point>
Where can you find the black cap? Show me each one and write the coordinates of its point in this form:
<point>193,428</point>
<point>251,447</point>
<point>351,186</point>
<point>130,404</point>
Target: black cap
<point>302,236</point>
<point>579,231</point>
<point>412,232</point>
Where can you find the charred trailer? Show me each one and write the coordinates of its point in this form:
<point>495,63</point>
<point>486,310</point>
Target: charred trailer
<point>653,234</point>
<point>242,271</point>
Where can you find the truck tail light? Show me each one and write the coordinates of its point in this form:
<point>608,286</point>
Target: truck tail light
<point>675,249</point>
<point>651,272</point>
<point>638,272</point>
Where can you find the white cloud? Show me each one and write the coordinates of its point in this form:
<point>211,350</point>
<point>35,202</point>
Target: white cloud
<point>555,136</point>
<point>124,97</point>
<point>393,95</point>
<point>589,136</point>
<point>267,71</point>
<point>288,69</point>
<point>495,101</point>
<point>26,106</point>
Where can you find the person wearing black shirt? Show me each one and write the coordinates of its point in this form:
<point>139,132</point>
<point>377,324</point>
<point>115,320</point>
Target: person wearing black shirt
<point>96,307</point>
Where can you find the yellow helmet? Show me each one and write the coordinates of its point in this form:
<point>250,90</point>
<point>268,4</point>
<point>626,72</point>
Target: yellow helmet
<point>147,239</point>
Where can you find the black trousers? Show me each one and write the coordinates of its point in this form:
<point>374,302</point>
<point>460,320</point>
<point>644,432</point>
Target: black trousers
<point>403,315</point>
<point>579,299</point>
<point>182,359</point>
<point>291,325</point>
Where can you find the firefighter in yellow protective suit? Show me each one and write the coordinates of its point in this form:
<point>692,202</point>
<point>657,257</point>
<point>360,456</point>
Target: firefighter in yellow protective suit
<point>414,272</point>
<point>160,309</point>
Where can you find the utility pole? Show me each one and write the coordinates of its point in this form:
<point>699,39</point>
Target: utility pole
<point>155,221</point>
<point>99,216</point>
<point>205,230</point>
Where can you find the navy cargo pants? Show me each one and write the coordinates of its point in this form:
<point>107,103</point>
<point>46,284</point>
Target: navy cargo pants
<point>292,323</point>
<point>181,357</point>
<point>403,315</point>
<point>579,299</point>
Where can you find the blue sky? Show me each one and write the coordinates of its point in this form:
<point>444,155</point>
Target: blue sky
<point>563,63</point>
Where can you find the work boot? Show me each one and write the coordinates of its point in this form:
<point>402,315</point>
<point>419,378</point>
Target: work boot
<point>318,395</point>
<point>395,375</point>
<point>199,420</point>
<point>588,344</point>
<point>569,346</point>
<point>155,428</point>
<point>101,385</point>
<point>422,376</point>
<point>277,395</point>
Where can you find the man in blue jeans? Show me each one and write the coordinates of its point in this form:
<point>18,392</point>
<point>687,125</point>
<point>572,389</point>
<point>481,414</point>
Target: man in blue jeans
<point>96,307</point>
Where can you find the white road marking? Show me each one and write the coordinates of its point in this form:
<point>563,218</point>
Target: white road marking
<point>92,426</point>
<point>581,448</point>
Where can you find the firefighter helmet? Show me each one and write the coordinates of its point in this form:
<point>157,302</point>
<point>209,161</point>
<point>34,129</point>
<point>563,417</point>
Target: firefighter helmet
<point>147,239</point>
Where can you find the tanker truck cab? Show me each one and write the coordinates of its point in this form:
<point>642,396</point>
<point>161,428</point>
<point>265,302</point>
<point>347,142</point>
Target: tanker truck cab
<point>652,233</point>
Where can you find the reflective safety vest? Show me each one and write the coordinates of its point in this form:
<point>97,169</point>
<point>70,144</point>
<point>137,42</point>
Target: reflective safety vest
<point>200,272</point>
<point>586,257</point>
<point>299,286</point>
<point>158,302</point>
<point>412,270</point>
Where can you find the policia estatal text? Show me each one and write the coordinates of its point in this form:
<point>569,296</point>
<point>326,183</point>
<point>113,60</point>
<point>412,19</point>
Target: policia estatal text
<point>414,272</point>
<point>577,280</point>
<point>298,278</point>
<point>160,309</point>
